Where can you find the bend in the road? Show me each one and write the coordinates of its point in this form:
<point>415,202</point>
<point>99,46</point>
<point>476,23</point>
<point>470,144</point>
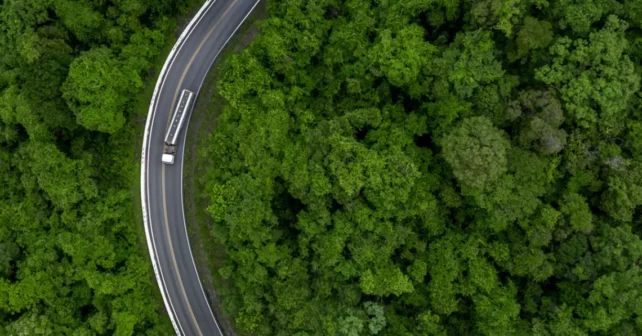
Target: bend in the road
<point>161,185</point>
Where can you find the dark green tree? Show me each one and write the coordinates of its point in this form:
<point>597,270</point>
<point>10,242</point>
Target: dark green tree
<point>476,151</point>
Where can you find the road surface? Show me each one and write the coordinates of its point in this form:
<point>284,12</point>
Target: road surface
<point>162,185</point>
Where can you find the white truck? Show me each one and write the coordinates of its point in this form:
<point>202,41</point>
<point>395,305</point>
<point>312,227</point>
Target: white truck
<point>183,109</point>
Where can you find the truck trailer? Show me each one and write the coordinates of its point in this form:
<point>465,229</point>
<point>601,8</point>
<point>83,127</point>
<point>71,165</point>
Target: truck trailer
<point>183,109</point>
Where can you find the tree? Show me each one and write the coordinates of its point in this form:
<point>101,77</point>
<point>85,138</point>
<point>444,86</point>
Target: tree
<point>501,15</point>
<point>595,77</point>
<point>476,151</point>
<point>581,15</point>
<point>66,181</point>
<point>543,116</point>
<point>80,18</point>
<point>469,63</point>
<point>98,88</point>
<point>534,34</point>
<point>403,57</point>
<point>624,193</point>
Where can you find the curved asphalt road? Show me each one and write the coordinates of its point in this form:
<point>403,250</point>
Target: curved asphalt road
<point>162,187</point>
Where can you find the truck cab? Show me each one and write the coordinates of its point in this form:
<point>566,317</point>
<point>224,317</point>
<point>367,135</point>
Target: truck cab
<point>169,151</point>
<point>168,158</point>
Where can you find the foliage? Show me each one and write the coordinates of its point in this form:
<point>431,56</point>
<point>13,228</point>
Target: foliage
<point>97,89</point>
<point>433,168</point>
<point>476,151</point>
<point>70,256</point>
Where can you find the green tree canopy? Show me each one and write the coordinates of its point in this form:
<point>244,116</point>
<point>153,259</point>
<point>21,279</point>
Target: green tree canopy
<point>432,168</point>
<point>97,89</point>
<point>476,151</point>
<point>71,262</point>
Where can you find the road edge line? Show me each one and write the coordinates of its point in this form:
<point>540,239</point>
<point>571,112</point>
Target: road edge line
<point>183,155</point>
<point>143,175</point>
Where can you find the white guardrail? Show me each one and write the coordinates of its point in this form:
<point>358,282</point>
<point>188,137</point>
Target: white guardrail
<point>143,171</point>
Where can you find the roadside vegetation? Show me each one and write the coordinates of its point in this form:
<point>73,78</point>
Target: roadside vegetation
<point>432,167</point>
<point>72,255</point>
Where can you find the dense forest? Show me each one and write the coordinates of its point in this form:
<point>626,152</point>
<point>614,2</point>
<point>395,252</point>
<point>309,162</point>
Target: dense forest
<point>433,167</point>
<point>71,259</point>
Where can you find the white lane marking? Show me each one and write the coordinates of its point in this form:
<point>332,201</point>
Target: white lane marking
<point>171,250</point>
<point>183,156</point>
<point>164,195</point>
<point>145,163</point>
<point>151,246</point>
